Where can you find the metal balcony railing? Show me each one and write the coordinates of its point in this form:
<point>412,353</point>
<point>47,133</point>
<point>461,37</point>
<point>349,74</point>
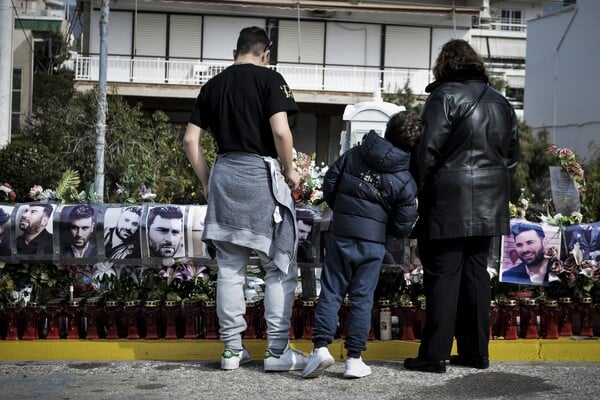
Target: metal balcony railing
<point>298,76</point>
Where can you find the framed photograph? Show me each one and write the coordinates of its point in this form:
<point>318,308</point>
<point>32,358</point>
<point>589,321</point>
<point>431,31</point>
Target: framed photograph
<point>33,231</point>
<point>77,230</point>
<point>524,252</point>
<point>122,232</point>
<point>164,231</point>
<point>5,232</point>
<point>308,225</point>
<point>588,237</point>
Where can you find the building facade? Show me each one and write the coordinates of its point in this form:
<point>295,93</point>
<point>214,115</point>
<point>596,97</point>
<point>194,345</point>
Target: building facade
<point>332,53</point>
<point>32,20</point>
<point>562,87</point>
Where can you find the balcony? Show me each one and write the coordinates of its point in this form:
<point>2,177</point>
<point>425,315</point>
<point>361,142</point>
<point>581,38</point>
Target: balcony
<point>300,77</point>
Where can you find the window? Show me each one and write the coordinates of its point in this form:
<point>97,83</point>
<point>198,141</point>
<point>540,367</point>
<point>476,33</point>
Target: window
<point>16,100</point>
<point>511,20</point>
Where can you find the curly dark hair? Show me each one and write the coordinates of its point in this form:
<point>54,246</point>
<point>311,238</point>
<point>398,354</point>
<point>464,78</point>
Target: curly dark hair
<point>403,129</point>
<point>458,61</point>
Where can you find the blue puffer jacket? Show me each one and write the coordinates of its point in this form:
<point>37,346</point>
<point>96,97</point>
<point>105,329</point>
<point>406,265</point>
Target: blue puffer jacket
<point>371,191</point>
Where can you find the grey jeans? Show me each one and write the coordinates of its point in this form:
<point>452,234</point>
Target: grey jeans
<point>232,260</point>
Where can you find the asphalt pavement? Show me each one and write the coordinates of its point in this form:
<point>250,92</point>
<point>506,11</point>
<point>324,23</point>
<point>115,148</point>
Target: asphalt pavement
<point>174,380</point>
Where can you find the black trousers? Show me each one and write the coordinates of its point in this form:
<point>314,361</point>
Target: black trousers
<point>458,292</point>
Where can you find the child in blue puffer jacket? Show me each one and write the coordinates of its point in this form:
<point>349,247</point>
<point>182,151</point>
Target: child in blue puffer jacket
<point>372,195</point>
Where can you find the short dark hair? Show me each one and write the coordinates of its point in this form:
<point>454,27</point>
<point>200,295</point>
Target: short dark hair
<point>81,212</point>
<point>403,130</point>
<point>521,227</point>
<point>458,61</point>
<point>167,212</point>
<point>252,39</point>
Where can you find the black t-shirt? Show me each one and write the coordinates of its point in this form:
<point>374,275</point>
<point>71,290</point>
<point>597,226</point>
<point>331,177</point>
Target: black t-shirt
<point>236,106</point>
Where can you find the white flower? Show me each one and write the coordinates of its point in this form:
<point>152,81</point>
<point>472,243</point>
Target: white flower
<point>578,216</point>
<point>103,270</point>
<point>577,254</point>
<point>524,203</point>
<point>168,262</point>
<point>148,196</point>
<point>47,194</point>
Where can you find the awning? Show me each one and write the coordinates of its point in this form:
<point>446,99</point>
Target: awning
<point>495,47</point>
<point>38,24</point>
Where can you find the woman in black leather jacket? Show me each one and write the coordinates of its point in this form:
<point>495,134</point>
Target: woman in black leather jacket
<point>461,164</point>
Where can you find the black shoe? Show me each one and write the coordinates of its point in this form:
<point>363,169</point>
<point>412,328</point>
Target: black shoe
<point>470,361</point>
<point>416,364</point>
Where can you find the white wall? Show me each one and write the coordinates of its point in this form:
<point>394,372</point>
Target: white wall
<point>562,85</point>
<point>365,40</point>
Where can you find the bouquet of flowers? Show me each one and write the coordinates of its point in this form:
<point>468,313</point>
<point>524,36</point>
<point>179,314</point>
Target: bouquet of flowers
<point>576,273</point>
<point>7,193</point>
<point>311,175</point>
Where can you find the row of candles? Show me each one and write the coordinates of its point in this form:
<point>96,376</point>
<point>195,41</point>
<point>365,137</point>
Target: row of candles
<point>76,319</point>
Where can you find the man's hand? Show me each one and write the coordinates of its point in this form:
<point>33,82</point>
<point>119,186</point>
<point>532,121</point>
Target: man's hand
<point>292,178</point>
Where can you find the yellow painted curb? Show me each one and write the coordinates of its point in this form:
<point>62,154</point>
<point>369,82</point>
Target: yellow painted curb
<point>563,349</point>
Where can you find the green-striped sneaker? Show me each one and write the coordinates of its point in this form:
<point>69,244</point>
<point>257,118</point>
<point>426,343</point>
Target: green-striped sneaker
<point>289,360</point>
<point>232,360</point>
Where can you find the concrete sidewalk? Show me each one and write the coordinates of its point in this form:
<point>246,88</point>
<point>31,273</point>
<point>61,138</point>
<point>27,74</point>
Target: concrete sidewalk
<point>179,380</point>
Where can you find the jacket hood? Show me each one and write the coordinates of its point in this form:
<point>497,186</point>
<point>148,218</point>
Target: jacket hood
<point>382,155</point>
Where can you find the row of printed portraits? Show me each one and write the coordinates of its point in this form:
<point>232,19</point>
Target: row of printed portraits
<point>87,233</point>
<point>524,251</point>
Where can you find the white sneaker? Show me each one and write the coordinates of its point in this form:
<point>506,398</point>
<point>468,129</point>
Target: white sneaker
<point>289,360</point>
<point>232,360</point>
<point>356,368</point>
<point>320,359</point>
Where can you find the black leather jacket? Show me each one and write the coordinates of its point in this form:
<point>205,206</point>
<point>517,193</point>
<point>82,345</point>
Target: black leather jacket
<point>462,168</point>
<point>371,191</point>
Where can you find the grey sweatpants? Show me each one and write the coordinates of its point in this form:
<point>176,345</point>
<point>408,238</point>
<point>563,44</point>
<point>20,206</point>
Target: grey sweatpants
<point>231,305</point>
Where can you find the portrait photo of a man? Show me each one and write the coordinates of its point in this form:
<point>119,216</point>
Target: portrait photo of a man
<point>588,237</point>
<point>525,250</point>
<point>122,232</point>
<point>5,213</point>
<point>78,233</point>
<point>164,228</point>
<point>307,236</point>
<point>34,229</point>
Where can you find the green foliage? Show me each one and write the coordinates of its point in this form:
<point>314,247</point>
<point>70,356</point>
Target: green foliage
<point>52,88</point>
<point>51,53</point>
<point>532,172</point>
<point>66,189</point>
<point>497,82</point>
<point>591,166</point>
<point>532,175</point>
<point>61,135</point>
<point>405,97</point>
<point>26,163</point>
<point>6,288</point>
<point>45,280</point>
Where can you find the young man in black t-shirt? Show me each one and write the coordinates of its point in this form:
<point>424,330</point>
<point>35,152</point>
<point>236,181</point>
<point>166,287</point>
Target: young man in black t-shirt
<point>250,208</point>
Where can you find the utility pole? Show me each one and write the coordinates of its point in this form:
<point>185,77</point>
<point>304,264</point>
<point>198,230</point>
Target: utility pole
<point>6,63</point>
<point>101,111</point>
